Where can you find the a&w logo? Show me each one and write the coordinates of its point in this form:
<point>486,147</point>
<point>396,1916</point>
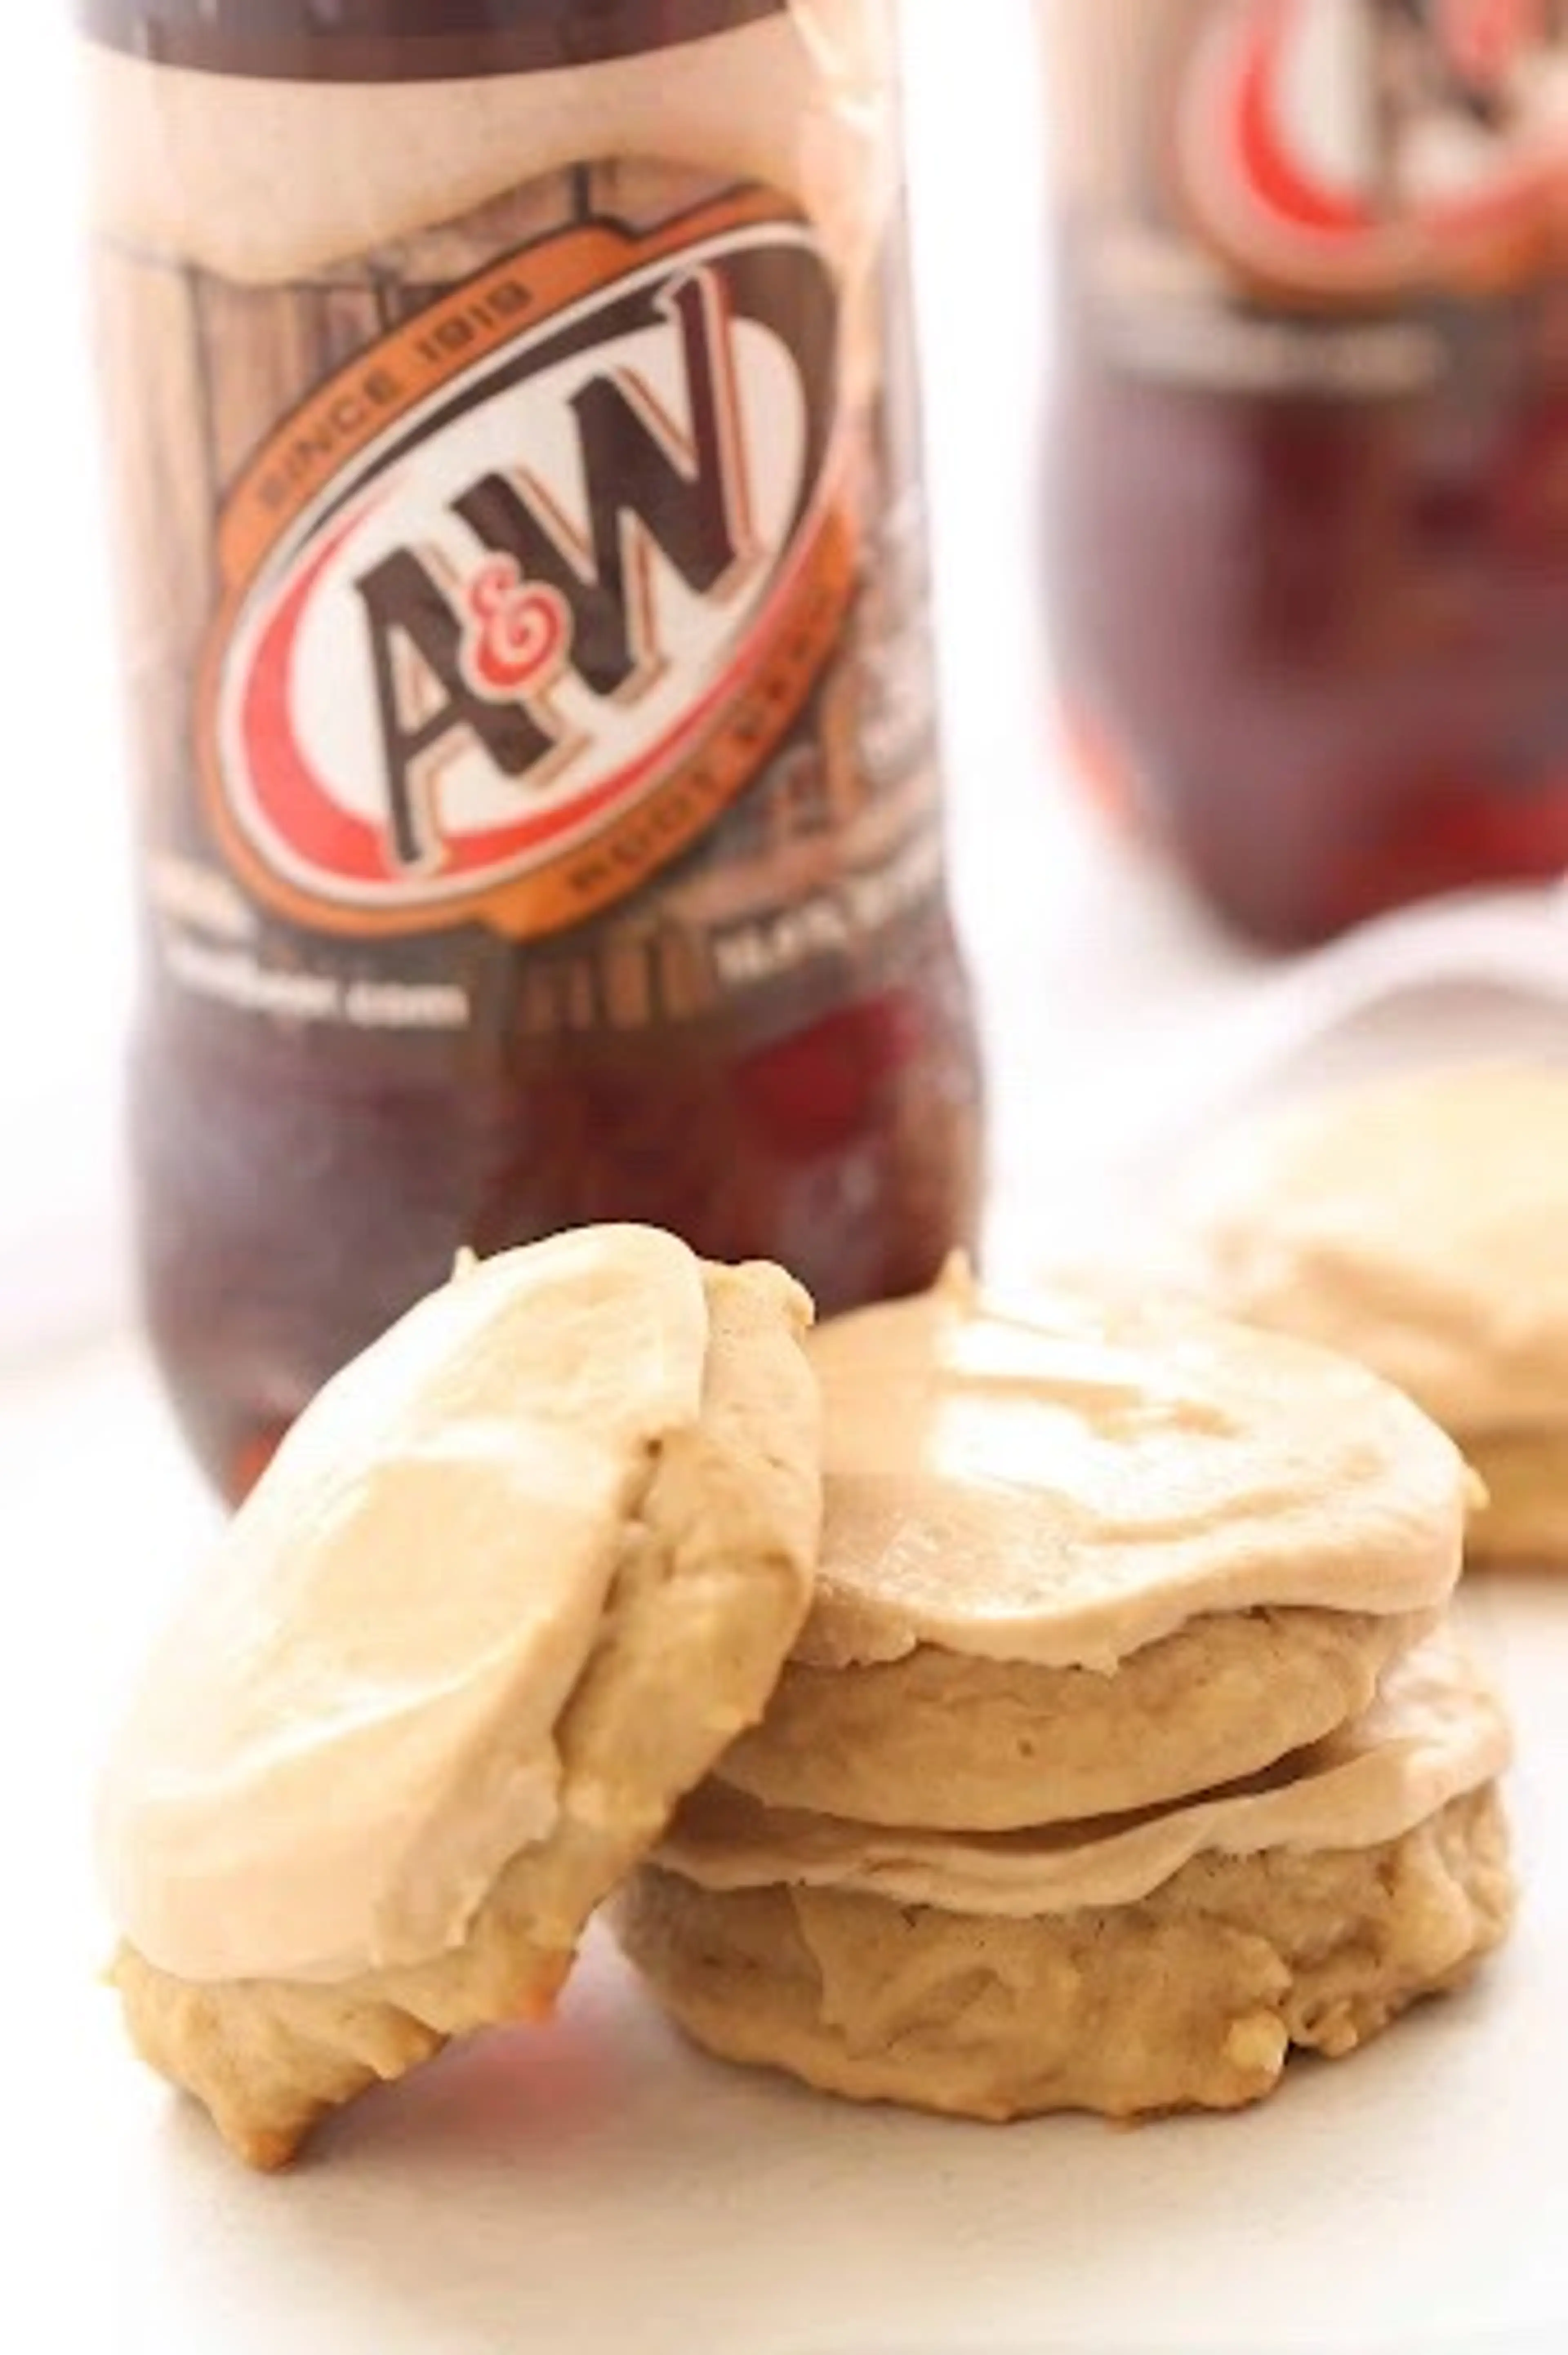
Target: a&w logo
<point>524,640</point>
<point>1355,149</point>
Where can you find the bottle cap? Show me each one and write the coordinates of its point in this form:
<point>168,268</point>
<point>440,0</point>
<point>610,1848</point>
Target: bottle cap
<point>402,40</point>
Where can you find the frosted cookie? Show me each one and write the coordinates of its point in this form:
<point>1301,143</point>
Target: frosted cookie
<point>1166,1961</point>
<point>972,1744</point>
<point>1080,1556</point>
<point>511,1584</point>
<point>1417,1224</point>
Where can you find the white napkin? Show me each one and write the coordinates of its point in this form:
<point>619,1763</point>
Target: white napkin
<point>1481,976</point>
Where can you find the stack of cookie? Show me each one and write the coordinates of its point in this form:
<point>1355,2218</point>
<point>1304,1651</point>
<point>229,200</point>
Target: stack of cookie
<point>1124,1748</point>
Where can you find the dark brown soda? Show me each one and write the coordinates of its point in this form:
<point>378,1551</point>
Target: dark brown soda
<point>293,1196</point>
<point>1326,637</point>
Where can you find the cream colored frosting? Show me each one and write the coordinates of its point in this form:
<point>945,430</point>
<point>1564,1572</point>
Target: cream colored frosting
<point>348,1728</point>
<point>1416,1223</point>
<point>1067,1478</point>
<point>1435,1732</point>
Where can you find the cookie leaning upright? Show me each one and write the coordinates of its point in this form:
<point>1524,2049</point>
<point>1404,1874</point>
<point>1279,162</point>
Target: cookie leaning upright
<point>510,1586</point>
<point>1417,1224</point>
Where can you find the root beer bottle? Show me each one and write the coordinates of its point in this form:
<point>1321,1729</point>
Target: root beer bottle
<point>515,450</point>
<point>1310,501</point>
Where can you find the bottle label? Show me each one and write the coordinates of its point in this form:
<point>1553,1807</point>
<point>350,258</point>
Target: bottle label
<point>528,610</point>
<point>518,604</point>
<point>1293,196</point>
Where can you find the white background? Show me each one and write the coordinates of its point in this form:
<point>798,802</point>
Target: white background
<point>64,903</point>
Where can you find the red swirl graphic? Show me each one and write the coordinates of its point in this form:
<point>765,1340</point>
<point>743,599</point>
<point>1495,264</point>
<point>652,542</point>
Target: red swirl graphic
<point>519,632</point>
